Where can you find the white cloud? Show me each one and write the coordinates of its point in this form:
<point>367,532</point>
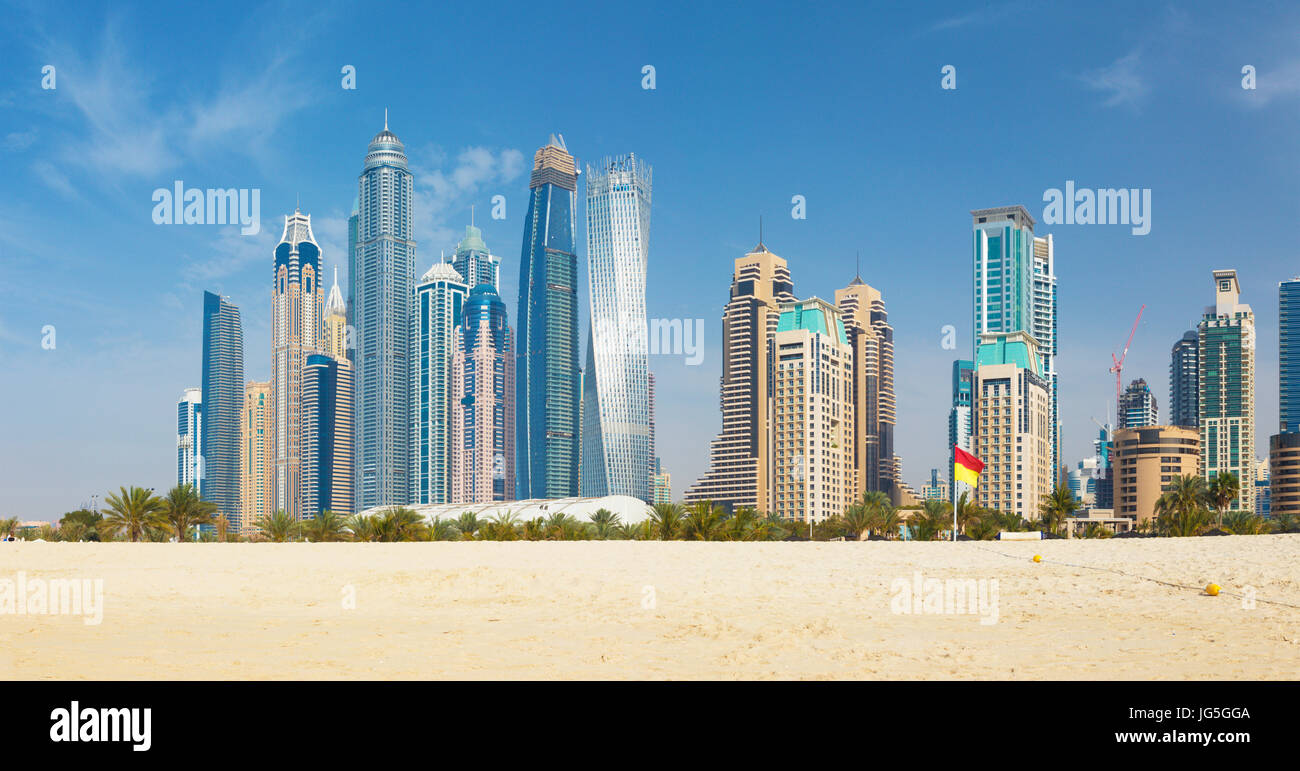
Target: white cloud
<point>1119,79</point>
<point>442,195</point>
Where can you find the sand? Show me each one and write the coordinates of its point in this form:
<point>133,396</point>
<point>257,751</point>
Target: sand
<point>650,610</point>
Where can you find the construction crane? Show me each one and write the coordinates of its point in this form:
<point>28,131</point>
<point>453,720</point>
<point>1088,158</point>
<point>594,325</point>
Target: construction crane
<point>1118,363</point>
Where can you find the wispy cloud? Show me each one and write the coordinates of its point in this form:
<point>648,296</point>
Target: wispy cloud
<point>442,192</point>
<point>1120,80</point>
<point>1274,83</point>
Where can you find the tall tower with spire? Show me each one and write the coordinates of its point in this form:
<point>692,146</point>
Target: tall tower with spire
<point>382,283</point>
<point>740,458</point>
<point>475,264</point>
<point>547,374</point>
<point>297,303</point>
<point>871,340</point>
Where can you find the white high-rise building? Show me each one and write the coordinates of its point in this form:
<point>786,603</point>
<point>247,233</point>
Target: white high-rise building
<point>189,428</point>
<point>616,390</point>
<point>439,300</point>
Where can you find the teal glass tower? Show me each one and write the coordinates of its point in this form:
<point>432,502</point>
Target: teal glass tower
<point>547,375</point>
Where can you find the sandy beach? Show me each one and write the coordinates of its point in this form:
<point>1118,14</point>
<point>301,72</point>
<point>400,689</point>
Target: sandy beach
<point>652,610</point>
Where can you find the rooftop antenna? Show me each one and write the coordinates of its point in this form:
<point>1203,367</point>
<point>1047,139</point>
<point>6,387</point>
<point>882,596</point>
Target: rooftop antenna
<point>471,215</point>
<point>297,204</point>
<point>857,270</point>
<point>760,230</point>
<point>385,119</point>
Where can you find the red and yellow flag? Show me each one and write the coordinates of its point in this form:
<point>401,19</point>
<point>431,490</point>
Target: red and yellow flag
<point>966,467</point>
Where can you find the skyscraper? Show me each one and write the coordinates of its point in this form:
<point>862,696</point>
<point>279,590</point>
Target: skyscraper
<point>1011,413</point>
<point>959,419</point>
<point>1184,396</point>
<point>1288,355</point>
<point>1015,290</point>
<point>1137,406</point>
<point>483,413</point>
<point>223,400</point>
<point>740,458</point>
<point>1226,358</point>
<point>616,409</point>
<point>256,462</point>
<point>382,279</point>
<point>189,433</point>
<point>814,473</point>
<point>297,305</point>
<point>549,379</point>
<point>872,340</point>
<point>440,300</point>
<point>353,231</point>
<point>661,485</point>
<point>326,436</point>
<point>475,264</point>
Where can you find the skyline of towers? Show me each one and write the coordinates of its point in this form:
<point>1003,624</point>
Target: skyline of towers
<point>548,376</point>
<point>189,433</point>
<point>440,299</point>
<point>297,306</point>
<point>615,399</point>
<point>382,270</point>
<point>1226,380</point>
<point>814,474</point>
<point>1184,392</point>
<point>483,414</point>
<point>256,461</point>
<point>1137,406</point>
<point>1012,409</point>
<point>739,458</point>
<point>223,398</point>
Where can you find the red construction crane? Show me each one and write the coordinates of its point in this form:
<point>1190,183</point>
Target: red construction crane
<point>1118,367</point>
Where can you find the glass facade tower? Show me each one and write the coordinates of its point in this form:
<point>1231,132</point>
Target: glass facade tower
<point>547,374</point>
<point>439,300</point>
<point>1288,355</point>
<point>382,285</point>
<point>223,403</point>
<point>616,389</point>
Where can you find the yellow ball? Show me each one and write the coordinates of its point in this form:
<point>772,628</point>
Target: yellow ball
<point>1212,590</point>
<point>1038,558</point>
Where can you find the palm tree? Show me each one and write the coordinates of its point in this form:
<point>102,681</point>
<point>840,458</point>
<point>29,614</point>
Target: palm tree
<point>1181,509</point>
<point>535,529</point>
<point>399,523</point>
<point>222,523</point>
<point>184,509</point>
<point>1059,504</point>
<point>442,530</point>
<point>1221,492</point>
<point>703,521</point>
<point>858,519</point>
<point>984,525</point>
<point>605,522</point>
<point>1244,523</point>
<point>502,527</point>
<point>887,520</point>
<point>324,527</point>
<point>667,520</point>
<point>1282,523</point>
<point>933,518</point>
<point>134,511</point>
<point>967,512</point>
<point>1097,530</point>
<point>742,526</point>
<point>360,527</point>
<point>278,527</point>
<point>468,524</point>
<point>8,527</point>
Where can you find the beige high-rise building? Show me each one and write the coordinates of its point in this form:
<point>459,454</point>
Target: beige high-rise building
<point>255,469</point>
<point>1146,460</point>
<point>1011,420</point>
<point>1284,474</point>
<point>813,473</point>
<point>739,458</point>
<point>1226,384</point>
<point>297,303</point>
<point>871,339</point>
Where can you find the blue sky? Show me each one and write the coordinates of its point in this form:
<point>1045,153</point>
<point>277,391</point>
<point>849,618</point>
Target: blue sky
<point>755,103</point>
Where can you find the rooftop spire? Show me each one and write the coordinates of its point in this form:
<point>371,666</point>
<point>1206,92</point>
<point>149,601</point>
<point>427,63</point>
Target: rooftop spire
<point>385,119</point>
